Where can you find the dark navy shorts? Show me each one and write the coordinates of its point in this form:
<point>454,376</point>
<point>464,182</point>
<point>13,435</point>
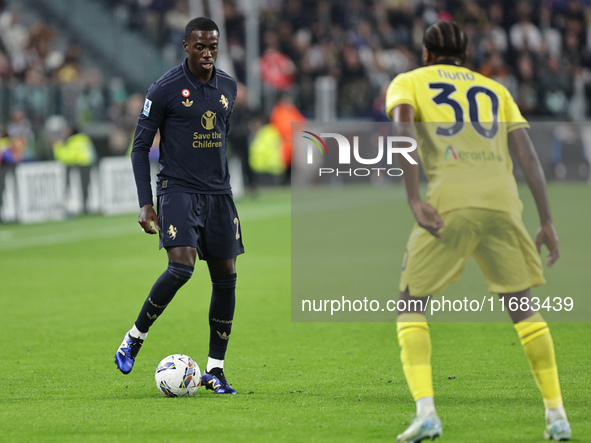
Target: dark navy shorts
<point>207,222</point>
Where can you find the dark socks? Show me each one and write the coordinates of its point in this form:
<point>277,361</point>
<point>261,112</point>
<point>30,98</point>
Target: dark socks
<point>221,314</point>
<point>163,291</point>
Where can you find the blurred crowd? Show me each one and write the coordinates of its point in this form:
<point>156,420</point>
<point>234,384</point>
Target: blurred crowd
<point>41,75</point>
<point>540,50</point>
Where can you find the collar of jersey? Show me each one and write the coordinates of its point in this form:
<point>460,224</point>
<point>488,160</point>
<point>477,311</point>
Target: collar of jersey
<point>213,81</point>
<point>448,62</point>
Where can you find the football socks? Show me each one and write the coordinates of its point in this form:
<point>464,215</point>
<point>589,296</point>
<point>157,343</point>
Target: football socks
<point>538,346</point>
<point>425,406</point>
<point>221,314</point>
<point>163,291</point>
<point>415,353</point>
<point>136,333</point>
<point>214,363</point>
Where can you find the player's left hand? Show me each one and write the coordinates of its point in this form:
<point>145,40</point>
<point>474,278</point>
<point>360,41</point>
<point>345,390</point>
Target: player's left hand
<point>547,235</point>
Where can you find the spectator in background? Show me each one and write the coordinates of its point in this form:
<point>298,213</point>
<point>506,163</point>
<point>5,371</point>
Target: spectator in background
<point>175,20</point>
<point>283,115</point>
<point>527,92</point>
<point>573,56</point>
<point>494,67</point>
<point>524,34</point>
<point>556,87</point>
<point>16,152</point>
<point>14,37</point>
<point>90,101</point>
<point>240,135</point>
<point>69,72</point>
<point>74,148</point>
<point>20,127</point>
<point>277,70</point>
<point>471,14</point>
<point>551,36</point>
<point>378,110</point>
<point>495,36</point>
<point>265,156</point>
<point>353,85</point>
<point>123,115</point>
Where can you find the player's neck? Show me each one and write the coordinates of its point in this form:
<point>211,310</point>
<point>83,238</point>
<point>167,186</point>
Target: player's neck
<point>447,61</point>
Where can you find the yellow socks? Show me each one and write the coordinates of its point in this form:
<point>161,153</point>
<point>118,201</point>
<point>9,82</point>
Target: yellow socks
<point>538,346</point>
<point>415,353</point>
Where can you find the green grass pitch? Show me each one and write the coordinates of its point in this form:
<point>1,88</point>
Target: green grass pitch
<point>70,290</point>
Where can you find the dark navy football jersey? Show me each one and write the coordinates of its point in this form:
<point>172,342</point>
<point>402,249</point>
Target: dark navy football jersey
<point>194,119</point>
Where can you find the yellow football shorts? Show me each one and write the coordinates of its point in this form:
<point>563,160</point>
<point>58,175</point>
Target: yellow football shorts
<point>497,240</point>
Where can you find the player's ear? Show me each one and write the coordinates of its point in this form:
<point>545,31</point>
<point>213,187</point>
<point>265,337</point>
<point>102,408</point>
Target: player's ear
<point>425,56</point>
<point>185,46</point>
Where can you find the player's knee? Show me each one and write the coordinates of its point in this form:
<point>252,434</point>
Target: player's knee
<point>182,273</point>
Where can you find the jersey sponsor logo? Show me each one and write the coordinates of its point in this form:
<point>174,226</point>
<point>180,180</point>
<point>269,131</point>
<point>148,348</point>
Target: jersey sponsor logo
<point>457,154</point>
<point>188,103</point>
<point>185,93</point>
<point>450,151</point>
<point>207,140</point>
<point>147,107</point>
<point>172,231</point>
<point>224,101</point>
<point>208,120</point>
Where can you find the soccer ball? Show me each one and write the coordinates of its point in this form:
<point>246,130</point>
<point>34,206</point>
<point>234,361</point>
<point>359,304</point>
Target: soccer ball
<point>178,376</point>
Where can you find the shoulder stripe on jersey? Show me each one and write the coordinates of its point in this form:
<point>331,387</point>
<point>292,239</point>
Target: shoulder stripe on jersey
<point>224,75</point>
<point>171,71</point>
<point>172,76</point>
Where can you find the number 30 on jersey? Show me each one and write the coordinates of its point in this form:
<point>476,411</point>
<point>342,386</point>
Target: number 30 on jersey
<point>444,98</point>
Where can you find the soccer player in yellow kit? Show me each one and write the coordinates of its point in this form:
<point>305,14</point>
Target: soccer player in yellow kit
<point>468,125</point>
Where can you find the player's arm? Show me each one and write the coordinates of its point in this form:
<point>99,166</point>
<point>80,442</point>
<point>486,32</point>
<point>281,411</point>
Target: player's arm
<point>522,148</point>
<point>140,161</point>
<point>425,214</point>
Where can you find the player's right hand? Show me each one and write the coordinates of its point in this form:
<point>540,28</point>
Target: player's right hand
<point>547,235</point>
<point>427,218</point>
<point>146,217</point>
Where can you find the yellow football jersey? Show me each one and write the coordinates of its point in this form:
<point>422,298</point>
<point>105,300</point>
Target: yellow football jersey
<point>463,119</point>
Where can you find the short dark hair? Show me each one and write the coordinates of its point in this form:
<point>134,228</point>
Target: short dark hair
<point>445,38</point>
<point>200,24</point>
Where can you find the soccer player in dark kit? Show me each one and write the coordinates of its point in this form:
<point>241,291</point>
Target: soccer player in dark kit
<point>191,106</point>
